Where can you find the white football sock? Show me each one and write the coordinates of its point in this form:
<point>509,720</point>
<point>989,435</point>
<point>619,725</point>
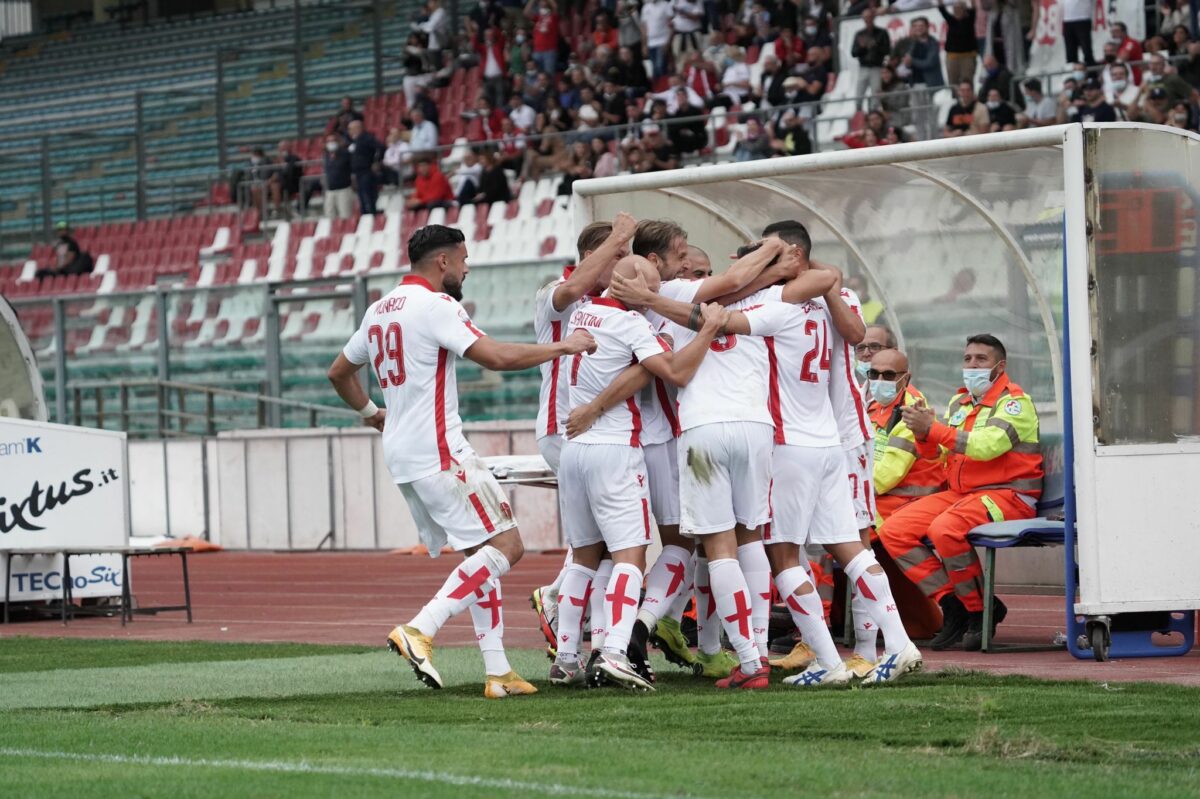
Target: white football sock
<point>752,558</point>
<point>488,617</point>
<point>733,606</point>
<point>465,586</point>
<point>680,602</point>
<point>573,597</point>
<point>806,613</point>
<point>596,603</point>
<point>620,606</point>
<point>556,586</point>
<point>666,580</point>
<point>866,632</point>
<point>877,594</point>
<point>708,626</point>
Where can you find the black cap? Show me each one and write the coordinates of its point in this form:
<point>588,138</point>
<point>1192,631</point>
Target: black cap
<point>1092,83</point>
<point>1158,93</point>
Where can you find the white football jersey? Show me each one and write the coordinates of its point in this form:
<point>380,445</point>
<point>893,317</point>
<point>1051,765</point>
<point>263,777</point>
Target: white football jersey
<point>412,338</point>
<point>660,408</point>
<point>622,337</point>
<point>731,383</point>
<point>849,406</point>
<point>799,360</point>
<point>550,326</point>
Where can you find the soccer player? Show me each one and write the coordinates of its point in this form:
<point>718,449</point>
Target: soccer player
<point>600,245</point>
<point>606,502</point>
<point>412,337</point>
<point>699,264</point>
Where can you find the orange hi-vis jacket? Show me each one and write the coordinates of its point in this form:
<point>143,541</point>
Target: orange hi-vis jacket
<point>989,444</point>
<point>899,470</point>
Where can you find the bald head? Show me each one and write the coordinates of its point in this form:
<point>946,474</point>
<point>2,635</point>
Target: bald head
<point>699,264</point>
<point>890,360</point>
<point>633,266</point>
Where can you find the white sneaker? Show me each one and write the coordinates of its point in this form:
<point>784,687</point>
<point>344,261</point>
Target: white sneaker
<point>817,675</point>
<point>892,667</point>
<point>616,669</point>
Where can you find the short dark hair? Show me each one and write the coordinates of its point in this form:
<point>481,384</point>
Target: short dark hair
<point>792,232</point>
<point>592,237</point>
<point>1034,85</point>
<point>430,239</point>
<point>656,236</point>
<point>919,19</point>
<point>988,340</point>
<point>889,337</point>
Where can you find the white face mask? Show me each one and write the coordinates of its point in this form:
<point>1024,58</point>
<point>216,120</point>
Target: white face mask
<point>977,381</point>
<point>1079,75</point>
<point>993,104</point>
<point>810,30</point>
<point>884,391</point>
<point>331,146</point>
<point>1119,85</point>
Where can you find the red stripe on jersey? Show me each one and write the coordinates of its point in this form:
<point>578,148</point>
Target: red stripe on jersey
<point>552,415</point>
<point>439,408</point>
<point>646,517</point>
<point>635,438</point>
<point>471,326</point>
<point>416,280</point>
<point>856,392</point>
<point>610,302</point>
<point>483,517</point>
<point>773,402</point>
<point>668,407</point>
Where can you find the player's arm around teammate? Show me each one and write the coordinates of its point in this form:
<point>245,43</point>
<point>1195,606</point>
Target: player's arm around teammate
<point>585,277</point>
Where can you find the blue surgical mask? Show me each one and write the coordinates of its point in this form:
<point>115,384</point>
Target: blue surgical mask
<point>861,368</point>
<point>977,381</point>
<point>884,391</point>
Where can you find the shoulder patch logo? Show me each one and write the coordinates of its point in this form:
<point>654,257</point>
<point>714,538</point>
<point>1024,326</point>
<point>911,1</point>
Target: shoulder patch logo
<point>1013,407</point>
<point>959,417</point>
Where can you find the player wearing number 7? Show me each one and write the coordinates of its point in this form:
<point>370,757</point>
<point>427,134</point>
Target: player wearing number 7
<point>411,338</point>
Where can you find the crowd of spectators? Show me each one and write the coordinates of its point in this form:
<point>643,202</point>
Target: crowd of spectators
<point>631,86</point>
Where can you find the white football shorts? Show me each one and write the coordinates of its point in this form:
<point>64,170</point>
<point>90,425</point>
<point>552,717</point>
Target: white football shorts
<point>662,467</point>
<point>860,469</point>
<point>463,506</point>
<point>724,476</point>
<point>810,497</point>
<point>550,448</point>
<point>604,496</point>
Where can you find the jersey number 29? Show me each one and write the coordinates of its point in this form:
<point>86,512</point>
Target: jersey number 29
<point>389,346</point>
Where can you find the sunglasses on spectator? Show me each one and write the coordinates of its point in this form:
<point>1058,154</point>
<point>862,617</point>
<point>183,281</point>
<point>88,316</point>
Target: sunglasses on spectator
<point>872,348</point>
<point>875,374</point>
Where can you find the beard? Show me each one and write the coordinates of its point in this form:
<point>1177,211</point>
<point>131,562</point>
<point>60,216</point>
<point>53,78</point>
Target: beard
<point>454,289</point>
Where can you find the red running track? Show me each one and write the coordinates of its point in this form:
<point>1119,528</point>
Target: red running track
<point>357,597</point>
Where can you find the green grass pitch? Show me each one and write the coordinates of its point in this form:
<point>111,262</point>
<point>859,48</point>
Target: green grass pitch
<point>125,719</point>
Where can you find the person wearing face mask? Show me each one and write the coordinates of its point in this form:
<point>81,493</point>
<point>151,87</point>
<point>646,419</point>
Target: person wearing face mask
<point>545,35</point>
<point>1129,49</point>
<point>992,459</point>
<point>339,196</point>
<point>1122,93</point>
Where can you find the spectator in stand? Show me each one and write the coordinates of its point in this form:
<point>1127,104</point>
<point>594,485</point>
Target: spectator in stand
<point>753,143</point>
<point>876,132</point>
<point>715,53</point>
<point>519,53</point>
<point>996,76</point>
<point>770,91</point>
<point>1175,14</point>
<point>338,194</point>
<point>612,99</point>
<point>520,112</point>
<point>686,21</point>
<point>735,81</point>
<point>493,183</point>
<point>576,164</point>
<point>1000,113</point>
<point>287,177</point>
<point>788,49</point>
<point>545,35</point>
<point>490,50</point>
<point>347,113</point>
<point>791,138</point>
<point>1005,36</point>
<point>427,106</point>
<point>1040,110</point>
<point>466,178</point>
<point>366,162</point>
<point>510,150</point>
<point>968,116</point>
<point>920,54</point>
<point>656,33</point>
<point>659,151</point>
<point>687,129</point>
<point>631,72</point>
<point>700,76</point>
<point>1154,108</point>
<point>604,162</point>
<point>547,151</point>
<point>629,27</point>
<point>672,98</point>
<point>604,33</point>
<point>424,139</point>
<point>1076,28</point>
<point>571,95</point>
<point>1129,49</point>
<point>961,45</point>
<point>430,188</point>
<point>69,258</point>
<point>490,118</point>
<point>487,14</point>
<point>417,67</point>
<point>1095,109</point>
<point>816,33</point>
<point>396,158</point>
<point>1189,70</point>
<point>871,48</point>
<point>437,26</point>
<point>1177,89</point>
<point>1122,93</point>
<point>1180,117</point>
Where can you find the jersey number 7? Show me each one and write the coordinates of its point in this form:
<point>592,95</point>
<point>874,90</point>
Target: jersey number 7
<point>389,346</point>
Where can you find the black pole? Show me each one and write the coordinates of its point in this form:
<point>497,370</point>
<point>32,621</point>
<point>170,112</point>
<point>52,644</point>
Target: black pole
<point>377,43</point>
<point>46,186</point>
<point>139,134</point>
<point>298,67</point>
<point>220,102</point>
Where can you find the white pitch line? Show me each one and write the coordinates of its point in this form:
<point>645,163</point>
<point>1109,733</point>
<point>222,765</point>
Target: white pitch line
<point>301,767</point>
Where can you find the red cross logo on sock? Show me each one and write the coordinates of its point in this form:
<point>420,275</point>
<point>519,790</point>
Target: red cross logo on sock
<point>795,605</point>
<point>619,598</point>
<point>862,589</point>
<point>711,605</point>
<point>470,583</point>
<point>580,601</point>
<point>741,614</point>
<point>676,569</point>
<point>493,604</point>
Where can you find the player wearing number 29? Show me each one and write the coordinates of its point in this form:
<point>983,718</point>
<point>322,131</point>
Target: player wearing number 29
<point>411,338</point>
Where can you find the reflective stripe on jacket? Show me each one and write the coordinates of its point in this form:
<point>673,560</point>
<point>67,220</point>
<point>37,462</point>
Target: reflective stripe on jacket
<point>899,470</point>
